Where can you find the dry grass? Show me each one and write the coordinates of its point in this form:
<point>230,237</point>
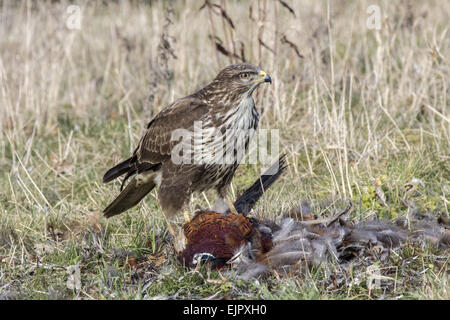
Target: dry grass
<point>362,114</point>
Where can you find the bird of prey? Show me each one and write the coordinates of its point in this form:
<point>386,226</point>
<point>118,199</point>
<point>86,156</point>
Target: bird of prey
<point>226,114</point>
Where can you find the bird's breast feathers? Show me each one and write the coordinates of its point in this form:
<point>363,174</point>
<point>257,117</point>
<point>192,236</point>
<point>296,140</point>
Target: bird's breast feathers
<point>228,137</point>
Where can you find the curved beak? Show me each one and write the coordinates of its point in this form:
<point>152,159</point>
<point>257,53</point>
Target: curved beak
<point>262,77</point>
<point>265,77</point>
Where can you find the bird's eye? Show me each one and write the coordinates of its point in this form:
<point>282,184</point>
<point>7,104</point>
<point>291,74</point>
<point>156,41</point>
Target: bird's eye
<point>244,75</point>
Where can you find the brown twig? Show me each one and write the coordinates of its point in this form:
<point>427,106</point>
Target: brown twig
<point>284,4</point>
<point>292,45</point>
<point>261,42</point>
<point>220,48</point>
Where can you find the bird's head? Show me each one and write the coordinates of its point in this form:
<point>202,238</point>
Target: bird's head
<point>242,77</point>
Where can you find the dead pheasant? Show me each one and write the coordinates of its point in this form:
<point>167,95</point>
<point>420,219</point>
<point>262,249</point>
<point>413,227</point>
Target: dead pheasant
<point>257,246</point>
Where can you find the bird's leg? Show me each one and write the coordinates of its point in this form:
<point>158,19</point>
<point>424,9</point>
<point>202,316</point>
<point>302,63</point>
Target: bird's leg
<point>187,217</point>
<point>179,240</point>
<point>171,225</point>
<point>223,192</point>
<point>170,228</point>
<point>230,204</point>
<point>186,214</point>
<point>172,202</point>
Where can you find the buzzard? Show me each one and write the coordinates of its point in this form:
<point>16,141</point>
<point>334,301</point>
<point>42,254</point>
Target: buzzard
<point>225,112</point>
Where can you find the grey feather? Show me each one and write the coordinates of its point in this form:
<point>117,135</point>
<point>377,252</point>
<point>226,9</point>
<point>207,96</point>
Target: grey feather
<point>296,244</point>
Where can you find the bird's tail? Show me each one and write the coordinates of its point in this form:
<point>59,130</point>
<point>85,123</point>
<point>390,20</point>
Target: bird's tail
<point>118,170</point>
<point>247,200</point>
<point>129,197</point>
